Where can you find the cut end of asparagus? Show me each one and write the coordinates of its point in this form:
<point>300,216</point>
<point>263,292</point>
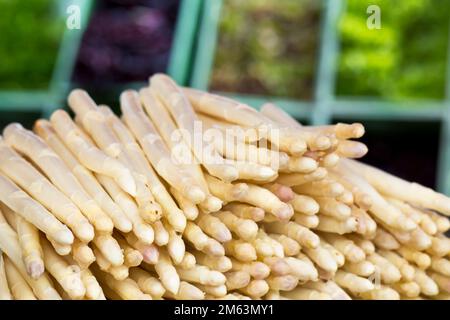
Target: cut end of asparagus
<point>35,269</point>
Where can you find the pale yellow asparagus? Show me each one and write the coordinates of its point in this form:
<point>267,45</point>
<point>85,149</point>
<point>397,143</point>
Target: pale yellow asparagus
<point>110,248</point>
<point>28,236</point>
<point>194,234</point>
<point>302,270</point>
<point>322,188</point>
<point>82,254</point>
<point>307,221</point>
<point>202,275</point>
<point>278,266</point>
<point>156,151</point>
<point>188,261</point>
<point>9,244</point>
<point>305,237</point>
<point>381,293</point>
<point>136,155</point>
<point>221,264</point>
<point>245,211</point>
<point>333,208</point>
<point>33,212</point>
<point>132,257</point>
<point>61,249</point>
<point>295,179</point>
<point>237,280</point>
<point>147,283</point>
<point>406,270</point>
<point>20,290</point>
<point>96,124</point>
<point>187,291</point>
<point>126,289</point>
<point>257,269</point>
<point>150,252</point>
<point>353,283</point>
<point>284,283</point>
<point>175,246</point>
<point>185,118</point>
<point>57,171</point>
<point>366,245</point>
<point>408,289</point>
<point>422,260</point>
<point>335,253</point>
<point>427,285</point>
<point>255,289</point>
<point>290,246</point>
<point>226,191</point>
<point>67,276</point>
<point>167,273</point>
<point>141,229</point>
<point>245,229</point>
<point>328,224</point>
<point>89,154</point>
<point>304,204</point>
<point>361,199</point>
<point>440,246</point>
<point>161,234</point>
<point>229,148</point>
<point>329,287</point>
<point>306,294</point>
<point>36,184</point>
<point>241,250</point>
<point>366,225</point>
<point>216,292</point>
<point>442,281</point>
<point>189,209</point>
<point>442,223</point>
<point>385,240</point>
<point>441,265</point>
<point>5,292</point>
<point>347,247</point>
<point>388,272</point>
<point>380,208</point>
<point>214,227</point>
<point>400,189</point>
<point>93,289</point>
<point>322,257</point>
<point>363,268</point>
<point>44,129</point>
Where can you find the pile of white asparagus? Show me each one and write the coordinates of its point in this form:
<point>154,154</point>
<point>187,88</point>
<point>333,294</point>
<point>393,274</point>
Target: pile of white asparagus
<point>98,207</point>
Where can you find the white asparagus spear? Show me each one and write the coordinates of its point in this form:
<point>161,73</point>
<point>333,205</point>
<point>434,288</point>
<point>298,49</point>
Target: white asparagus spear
<point>44,129</point>
<point>156,151</point>
<point>33,212</point>
<point>181,110</point>
<point>42,190</point>
<point>57,171</point>
<point>170,210</point>
<point>5,292</point>
<point>88,154</point>
<point>28,236</point>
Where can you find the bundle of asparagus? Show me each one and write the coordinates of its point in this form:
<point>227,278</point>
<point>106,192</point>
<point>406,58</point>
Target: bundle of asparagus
<point>252,206</point>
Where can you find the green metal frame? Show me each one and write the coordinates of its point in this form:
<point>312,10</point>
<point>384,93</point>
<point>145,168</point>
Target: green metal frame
<point>46,101</point>
<point>326,104</point>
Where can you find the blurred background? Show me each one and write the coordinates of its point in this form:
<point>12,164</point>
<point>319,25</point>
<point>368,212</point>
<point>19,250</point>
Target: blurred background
<point>316,59</point>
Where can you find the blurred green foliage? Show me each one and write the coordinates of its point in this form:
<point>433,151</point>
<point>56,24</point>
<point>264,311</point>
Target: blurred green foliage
<point>30,32</point>
<point>405,59</point>
<point>267,47</point>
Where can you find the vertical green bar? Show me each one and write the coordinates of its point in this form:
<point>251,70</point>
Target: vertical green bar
<point>183,41</point>
<point>67,55</point>
<point>326,75</point>
<point>443,172</point>
<point>204,58</point>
